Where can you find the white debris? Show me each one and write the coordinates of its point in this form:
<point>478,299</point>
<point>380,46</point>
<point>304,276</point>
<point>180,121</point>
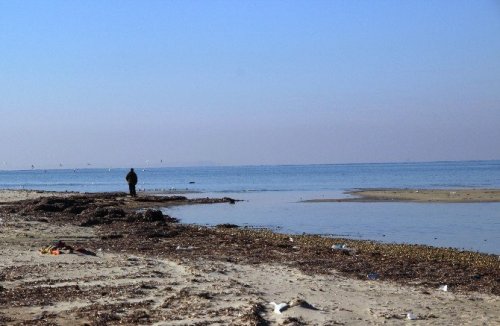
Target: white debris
<point>342,247</point>
<point>184,248</point>
<point>411,316</point>
<point>444,288</point>
<point>339,246</point>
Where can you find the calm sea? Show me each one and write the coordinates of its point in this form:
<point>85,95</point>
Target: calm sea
<point>271,198</point>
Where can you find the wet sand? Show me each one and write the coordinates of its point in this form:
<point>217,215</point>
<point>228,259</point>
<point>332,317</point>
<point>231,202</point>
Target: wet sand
<point>148,269</point>
<point>419,195</point>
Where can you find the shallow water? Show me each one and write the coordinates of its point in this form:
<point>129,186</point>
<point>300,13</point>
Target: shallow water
<point>470,226</point>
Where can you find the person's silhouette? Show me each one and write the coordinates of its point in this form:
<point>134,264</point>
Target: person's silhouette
<point>132,181</point>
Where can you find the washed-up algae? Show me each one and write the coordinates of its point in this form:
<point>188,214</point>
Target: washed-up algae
<point>126,225</point>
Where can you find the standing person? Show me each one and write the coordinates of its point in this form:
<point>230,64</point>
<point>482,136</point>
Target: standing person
<point>132,181</point>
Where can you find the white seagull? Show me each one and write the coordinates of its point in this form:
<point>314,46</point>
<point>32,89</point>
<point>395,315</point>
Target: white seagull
<point>279,307</point>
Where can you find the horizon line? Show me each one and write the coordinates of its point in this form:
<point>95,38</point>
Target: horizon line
<point>241,165</point>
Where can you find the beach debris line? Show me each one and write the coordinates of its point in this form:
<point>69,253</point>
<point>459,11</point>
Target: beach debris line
<point>153,215</point>
<point>310,253</point>
<point>61,247</point>
<point>230,200</point>
<point>227,226</point>
<point>105,208</point>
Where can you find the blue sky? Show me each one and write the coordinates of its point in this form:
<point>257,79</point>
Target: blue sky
<point>163,83</point>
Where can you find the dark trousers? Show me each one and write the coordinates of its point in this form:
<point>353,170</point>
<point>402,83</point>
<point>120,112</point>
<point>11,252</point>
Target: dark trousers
<point>131,188</point>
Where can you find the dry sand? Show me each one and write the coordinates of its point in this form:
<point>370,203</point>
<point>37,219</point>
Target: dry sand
<point>15,195</point>
<point>119,286</point>
<point>420,195</point>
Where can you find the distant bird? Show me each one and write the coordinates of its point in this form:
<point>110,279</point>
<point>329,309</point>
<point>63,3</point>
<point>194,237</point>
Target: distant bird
<point>32,166</point>
<point>278,308</point>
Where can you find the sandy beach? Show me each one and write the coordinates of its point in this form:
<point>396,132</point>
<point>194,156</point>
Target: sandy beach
<point>16,195</point>
<point>121,262</point>
<point>419,195</point>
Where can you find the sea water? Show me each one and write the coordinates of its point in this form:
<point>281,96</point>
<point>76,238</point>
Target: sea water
<point>272,198</point>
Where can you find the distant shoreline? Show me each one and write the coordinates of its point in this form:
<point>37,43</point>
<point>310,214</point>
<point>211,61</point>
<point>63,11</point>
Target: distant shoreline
<point>417,195</point>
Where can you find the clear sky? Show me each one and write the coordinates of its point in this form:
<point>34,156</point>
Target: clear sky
<point>167,83</point>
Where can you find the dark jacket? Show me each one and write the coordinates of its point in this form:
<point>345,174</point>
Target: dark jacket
<point>131,177</point>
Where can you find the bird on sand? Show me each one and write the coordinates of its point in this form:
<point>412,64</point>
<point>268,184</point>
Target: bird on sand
<point>279,307</point>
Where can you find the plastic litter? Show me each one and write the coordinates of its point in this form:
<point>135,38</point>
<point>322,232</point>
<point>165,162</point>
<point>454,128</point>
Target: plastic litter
<point>444,288</point>
<point>339,246</point>
<point>185,248</point>
<point>411,316</point>
<point>51,250</point>
<point>342,247</point>
<point>60,247</point>
<point>373,276</point>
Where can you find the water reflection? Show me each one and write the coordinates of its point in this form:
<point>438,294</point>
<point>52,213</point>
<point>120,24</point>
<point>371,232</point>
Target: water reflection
<point>468,226</point>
